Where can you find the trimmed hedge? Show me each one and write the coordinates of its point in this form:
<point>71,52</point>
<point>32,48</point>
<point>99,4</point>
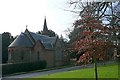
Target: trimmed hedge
<point>22,67</point>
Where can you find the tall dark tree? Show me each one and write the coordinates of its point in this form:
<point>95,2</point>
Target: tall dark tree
<point>73,34</point>
<point>6,40</point>
<point>52,33</point>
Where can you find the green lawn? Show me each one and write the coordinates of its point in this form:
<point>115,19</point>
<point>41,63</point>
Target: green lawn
<point>107,71</point>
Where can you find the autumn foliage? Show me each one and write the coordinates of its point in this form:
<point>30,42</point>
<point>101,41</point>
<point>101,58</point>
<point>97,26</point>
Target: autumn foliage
<point>88,44</point>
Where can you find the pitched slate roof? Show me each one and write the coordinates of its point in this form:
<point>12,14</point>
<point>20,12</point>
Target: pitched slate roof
<point>21,41</point>
<point>48,42</point>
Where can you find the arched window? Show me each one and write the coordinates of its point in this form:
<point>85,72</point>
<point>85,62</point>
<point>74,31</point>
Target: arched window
<point>12,54</point>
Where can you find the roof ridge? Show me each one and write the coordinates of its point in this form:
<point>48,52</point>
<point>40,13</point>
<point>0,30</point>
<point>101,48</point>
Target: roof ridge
<point>33,41</point>
<point>28,38</point>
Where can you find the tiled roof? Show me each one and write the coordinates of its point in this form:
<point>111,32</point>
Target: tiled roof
<point>48,42</point>
<point>21,41</point>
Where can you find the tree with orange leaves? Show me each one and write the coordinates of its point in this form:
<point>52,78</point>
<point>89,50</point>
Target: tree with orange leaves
<point>95,38</point>
<point>91,46</point>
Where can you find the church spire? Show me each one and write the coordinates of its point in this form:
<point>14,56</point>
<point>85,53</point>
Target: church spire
<point>45,25</point>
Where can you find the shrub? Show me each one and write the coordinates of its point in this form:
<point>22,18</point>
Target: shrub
<point>22,67</point>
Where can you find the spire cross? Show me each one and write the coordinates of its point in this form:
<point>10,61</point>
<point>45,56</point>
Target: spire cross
<point>26,26</point>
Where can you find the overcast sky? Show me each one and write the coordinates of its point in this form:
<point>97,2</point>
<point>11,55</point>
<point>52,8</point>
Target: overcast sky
<point>16,14</point>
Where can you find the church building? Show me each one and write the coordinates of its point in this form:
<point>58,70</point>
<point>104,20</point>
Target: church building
<point>32,47</point>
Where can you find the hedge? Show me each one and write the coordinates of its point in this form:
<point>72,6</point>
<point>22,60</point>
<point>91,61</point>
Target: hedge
<point>22,67</point>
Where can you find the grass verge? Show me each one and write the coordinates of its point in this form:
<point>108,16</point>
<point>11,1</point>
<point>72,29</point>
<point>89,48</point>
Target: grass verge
<point>106,71</point>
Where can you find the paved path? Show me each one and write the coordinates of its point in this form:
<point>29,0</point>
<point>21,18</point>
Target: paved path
<point>34,74</point>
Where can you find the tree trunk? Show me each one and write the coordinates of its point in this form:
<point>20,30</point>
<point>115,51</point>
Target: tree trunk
<point>95,66</point>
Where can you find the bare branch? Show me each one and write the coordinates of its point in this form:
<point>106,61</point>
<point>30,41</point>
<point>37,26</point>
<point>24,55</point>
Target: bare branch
<point>103,11</point>
<point>72,11</point>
